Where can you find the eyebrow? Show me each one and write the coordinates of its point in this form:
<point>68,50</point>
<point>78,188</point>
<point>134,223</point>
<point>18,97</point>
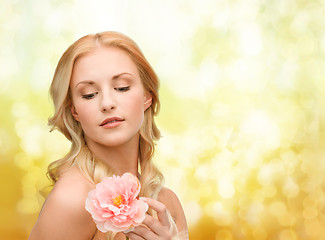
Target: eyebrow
<point>120,74</point>
<point>113,78</point>
<point>85,82</point>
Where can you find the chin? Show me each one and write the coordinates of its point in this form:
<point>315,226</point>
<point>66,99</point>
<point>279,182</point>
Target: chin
<point>118,141</point>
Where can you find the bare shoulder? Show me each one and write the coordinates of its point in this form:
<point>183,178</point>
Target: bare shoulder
<point>174,206</point>
<point>71,186</point>
<point>63,215</point>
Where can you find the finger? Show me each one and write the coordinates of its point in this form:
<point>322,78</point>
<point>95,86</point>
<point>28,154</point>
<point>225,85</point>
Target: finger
<point>144,233</point>
<point>160,208</point>
<point>156,226</point>
<point>133,236</point>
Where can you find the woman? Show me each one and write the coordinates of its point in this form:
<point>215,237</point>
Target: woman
<point>105,97</point>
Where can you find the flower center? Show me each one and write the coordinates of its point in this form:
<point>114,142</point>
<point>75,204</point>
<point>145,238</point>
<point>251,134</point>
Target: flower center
<point>118,200</point>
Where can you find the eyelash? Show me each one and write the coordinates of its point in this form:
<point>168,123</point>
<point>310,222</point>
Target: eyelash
<point>89,96</point>
<point>123,89</point>
<point>92,95</point>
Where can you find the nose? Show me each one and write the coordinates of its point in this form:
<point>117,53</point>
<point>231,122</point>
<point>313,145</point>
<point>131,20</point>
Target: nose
<point>107,102</point>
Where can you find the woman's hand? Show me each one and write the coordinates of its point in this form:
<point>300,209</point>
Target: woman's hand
<point>151,228</point>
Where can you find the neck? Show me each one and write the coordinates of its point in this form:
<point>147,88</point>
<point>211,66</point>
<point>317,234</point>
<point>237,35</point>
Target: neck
<point>122,158</point>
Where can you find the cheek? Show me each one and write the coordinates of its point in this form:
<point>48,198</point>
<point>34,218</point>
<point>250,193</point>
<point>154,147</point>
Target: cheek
<point>135,104</point>
<point>84,110</point>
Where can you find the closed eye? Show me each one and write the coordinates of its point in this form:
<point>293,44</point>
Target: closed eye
<point>123,89</point>
<point>89,96</point>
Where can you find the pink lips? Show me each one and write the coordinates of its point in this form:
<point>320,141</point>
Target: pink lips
<point>111,122</point>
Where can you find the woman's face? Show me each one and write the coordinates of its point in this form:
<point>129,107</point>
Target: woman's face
<point>108,97</point>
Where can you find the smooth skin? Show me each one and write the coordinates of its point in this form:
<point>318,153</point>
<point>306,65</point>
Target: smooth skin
<point>64,216</point>
<point>105,83</point>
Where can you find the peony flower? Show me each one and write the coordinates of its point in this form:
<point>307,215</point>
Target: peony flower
<point>114,206</point>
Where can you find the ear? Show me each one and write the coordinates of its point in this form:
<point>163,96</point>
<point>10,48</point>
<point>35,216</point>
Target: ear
<point>74,113</point>
<point>147,100</point>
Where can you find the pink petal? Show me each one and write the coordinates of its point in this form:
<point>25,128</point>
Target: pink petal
<point>111,227</point>
<point>101,227</point>
<point>142,208</point>
<point>109,217</point>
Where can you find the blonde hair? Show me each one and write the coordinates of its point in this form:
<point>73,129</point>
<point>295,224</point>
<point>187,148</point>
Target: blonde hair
<point>62,120</point>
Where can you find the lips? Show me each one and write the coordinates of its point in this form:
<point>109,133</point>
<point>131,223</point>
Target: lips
<point>111,120</point>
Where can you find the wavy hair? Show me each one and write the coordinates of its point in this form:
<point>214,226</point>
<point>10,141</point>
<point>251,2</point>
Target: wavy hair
<point>62,120</point>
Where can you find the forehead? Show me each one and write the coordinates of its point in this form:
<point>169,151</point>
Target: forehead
<point>103,62</point>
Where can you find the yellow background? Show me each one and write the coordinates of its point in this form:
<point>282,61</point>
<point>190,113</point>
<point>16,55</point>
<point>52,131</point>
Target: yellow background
<point>242,92</point>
